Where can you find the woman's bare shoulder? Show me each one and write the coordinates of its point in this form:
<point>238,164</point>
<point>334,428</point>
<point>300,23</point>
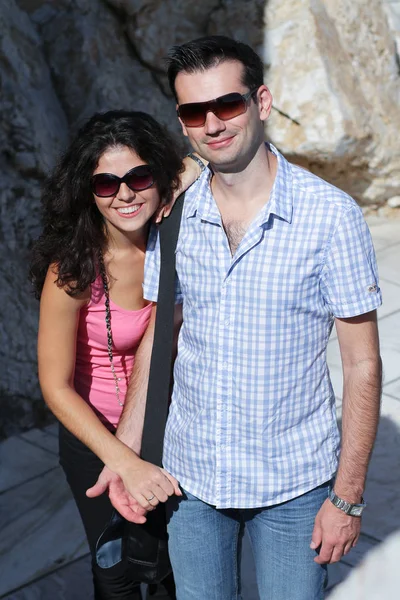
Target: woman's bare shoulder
<point>53,292</point>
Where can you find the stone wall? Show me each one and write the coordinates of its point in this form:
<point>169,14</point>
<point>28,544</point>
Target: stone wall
<point>335,71</point>
<point>332,65</point>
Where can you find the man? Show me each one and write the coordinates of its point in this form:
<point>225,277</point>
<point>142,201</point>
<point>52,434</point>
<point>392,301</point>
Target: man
<point>269,256</point>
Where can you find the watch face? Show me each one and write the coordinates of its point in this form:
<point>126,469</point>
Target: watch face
<point>357,511</point>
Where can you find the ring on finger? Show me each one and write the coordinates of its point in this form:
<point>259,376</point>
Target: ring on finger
<point>151,498</point>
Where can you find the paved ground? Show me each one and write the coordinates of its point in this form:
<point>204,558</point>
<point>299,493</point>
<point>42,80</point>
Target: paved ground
<point>43,553</point>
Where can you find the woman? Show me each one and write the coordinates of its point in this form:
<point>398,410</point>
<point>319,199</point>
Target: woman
<point>87,269</point>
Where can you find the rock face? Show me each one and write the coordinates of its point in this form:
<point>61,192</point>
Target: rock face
<point>332,65</point>
<point>33,131</point>
<point>334,70</point>
<point>93,65</point>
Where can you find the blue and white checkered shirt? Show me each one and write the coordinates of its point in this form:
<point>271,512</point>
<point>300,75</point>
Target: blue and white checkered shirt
<point>252,419</point>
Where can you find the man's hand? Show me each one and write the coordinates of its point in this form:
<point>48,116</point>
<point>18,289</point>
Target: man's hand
<point>138,488</point>
<point>335,533</point>
<point>119,496</point>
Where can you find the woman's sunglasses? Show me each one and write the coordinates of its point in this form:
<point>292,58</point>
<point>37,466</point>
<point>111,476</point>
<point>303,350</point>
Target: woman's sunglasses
<point>225,107</point>
<point>137,179</point>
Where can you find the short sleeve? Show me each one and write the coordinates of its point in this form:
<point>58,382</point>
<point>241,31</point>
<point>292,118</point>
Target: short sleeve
<point>152,269</point>
<point>349,277</point>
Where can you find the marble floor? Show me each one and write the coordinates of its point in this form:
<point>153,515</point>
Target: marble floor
<point>43,553</point>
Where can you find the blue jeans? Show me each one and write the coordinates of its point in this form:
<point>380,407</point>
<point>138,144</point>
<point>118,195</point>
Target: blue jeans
<point>205,545</point>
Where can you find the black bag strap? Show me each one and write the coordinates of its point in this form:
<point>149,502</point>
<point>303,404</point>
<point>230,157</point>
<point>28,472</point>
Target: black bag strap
<point>158,391</point>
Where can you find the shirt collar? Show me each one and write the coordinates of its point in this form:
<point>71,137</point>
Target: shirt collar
<point>281,197</point>
<point>280,202</point>
<point>204,205</point>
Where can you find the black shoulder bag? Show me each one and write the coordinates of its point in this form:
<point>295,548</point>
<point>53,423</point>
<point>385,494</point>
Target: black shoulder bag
<point>145,547</point>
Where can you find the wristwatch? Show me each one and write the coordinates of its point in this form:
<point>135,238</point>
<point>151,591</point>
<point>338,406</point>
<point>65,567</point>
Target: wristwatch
<point>197,160</point>
<point>354,510</point>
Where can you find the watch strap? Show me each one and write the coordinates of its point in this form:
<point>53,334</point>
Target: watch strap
<point>197,160</point>
<point>354,510</point>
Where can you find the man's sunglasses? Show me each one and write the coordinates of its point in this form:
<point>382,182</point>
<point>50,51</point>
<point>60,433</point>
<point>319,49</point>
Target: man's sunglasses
<point>225,107</point>
<point>137,179</point>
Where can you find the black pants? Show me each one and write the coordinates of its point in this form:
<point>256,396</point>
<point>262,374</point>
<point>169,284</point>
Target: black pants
<point>82,468</point>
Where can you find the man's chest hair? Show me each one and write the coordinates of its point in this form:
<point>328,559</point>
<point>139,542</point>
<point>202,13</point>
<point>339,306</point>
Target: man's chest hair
<point>235,232</point>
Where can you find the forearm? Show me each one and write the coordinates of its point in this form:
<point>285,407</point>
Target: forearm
<point>130,426</point>
<point>360,416</point>
<point>78,417</point>
<point>192,171</point>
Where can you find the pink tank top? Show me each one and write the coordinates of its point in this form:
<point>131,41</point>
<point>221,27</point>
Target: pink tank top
<point>94,380</point>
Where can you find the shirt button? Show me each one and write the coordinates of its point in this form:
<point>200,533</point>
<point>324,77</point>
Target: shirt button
<point>227,322</point>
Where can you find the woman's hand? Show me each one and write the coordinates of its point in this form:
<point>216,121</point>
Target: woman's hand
<point>188,177</point>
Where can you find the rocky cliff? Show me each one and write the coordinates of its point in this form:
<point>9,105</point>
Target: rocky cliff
<point>333,67</point>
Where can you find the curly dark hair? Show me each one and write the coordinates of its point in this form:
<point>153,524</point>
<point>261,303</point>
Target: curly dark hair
<point>73,234</point>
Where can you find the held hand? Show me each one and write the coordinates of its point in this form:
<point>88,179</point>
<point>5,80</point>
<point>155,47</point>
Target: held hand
<point>335,533</point>
<point>119,496</point>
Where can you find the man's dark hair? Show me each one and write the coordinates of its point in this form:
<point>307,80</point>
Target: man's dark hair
<point>210,51</point>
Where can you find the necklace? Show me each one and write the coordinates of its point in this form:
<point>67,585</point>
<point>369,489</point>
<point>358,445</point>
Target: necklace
<point>108,326</point>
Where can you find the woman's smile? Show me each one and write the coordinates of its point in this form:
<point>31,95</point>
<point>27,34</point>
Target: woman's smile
<point>129,211</point>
